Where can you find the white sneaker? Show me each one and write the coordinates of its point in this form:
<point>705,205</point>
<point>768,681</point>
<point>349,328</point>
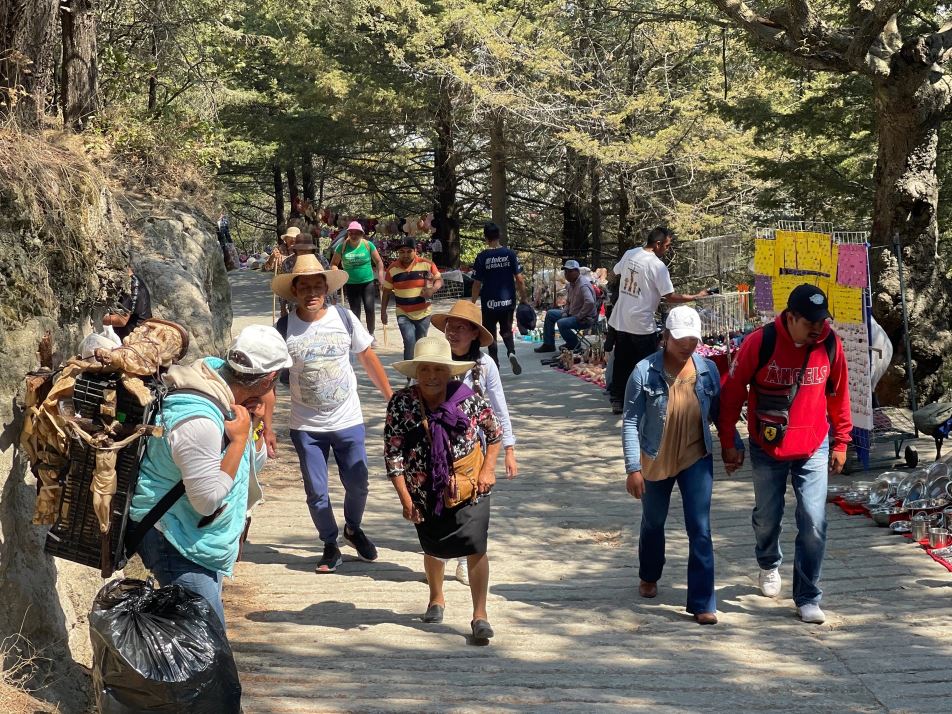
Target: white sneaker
<point>769,581</point>
<point>811,613</point>
<point>462,571</point>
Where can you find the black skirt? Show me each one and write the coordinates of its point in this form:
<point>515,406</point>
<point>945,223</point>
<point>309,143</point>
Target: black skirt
<point>457,532</point>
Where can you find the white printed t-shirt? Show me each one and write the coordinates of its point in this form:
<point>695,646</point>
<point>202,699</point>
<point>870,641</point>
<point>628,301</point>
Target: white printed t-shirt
<point>323,384</point>
<point>644,281</point>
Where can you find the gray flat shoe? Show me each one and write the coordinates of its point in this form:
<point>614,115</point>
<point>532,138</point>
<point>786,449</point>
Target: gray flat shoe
<point>482,630</point>
<point>434,613</point>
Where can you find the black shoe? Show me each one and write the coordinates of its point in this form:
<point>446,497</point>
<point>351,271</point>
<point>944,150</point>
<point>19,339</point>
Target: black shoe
<point>331,559</point>
<point>617,407</point>
<point>365,549</point>
<point>514,363</point>
<point>434,613</point>
<point>482,631</point>
<point>545,348</point>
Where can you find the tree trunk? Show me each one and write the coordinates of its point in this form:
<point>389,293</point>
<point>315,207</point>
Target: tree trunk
<point>497,177</point>
<point>307,176</point>
<point>595,179</point>
<point>575,219</point>
<point>80,72</point>
<point>445,181</point>
<point>293,194</point>
<point>905,205</point>
<point>154,76</point>
<point>278,200</point>
<point>625,225</point>
<point>27,38</point>
<point>320,184</point>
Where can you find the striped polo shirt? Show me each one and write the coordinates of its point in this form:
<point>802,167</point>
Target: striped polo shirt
<point>407,285</point>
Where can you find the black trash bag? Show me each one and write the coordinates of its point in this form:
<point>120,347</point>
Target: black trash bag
<point>160,650</point>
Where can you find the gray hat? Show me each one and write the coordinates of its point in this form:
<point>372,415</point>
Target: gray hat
<point>571,265</point>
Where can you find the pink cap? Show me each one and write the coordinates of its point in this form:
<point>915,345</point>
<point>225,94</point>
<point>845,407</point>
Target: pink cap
<point>355,226</point>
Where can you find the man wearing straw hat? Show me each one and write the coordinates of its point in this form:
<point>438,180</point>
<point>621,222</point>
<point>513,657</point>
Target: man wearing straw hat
<point>325,409</point>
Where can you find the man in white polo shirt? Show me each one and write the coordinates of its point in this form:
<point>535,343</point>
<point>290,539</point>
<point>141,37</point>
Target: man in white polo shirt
<point>645,282</point>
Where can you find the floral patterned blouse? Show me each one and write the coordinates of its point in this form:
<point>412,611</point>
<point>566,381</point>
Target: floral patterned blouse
<point>407,449</point>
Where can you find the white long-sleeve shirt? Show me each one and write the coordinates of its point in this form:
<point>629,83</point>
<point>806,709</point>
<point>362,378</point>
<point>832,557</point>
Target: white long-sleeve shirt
<point>196,450</point>
<point>491,383</point>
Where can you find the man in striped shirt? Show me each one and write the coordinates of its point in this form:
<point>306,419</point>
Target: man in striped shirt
<point>412,281</point>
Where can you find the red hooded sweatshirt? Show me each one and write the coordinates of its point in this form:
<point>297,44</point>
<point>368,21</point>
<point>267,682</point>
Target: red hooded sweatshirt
<point>807,425</point>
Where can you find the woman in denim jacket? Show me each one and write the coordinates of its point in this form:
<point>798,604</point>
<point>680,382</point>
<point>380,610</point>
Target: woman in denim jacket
<point>670,400</point>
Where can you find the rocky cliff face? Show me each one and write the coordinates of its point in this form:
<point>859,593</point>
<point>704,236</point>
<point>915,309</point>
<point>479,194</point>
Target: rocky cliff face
<point>176,253</point>
<point>65,240</point>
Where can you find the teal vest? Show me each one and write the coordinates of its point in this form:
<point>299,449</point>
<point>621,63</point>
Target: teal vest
<point>216,545</point>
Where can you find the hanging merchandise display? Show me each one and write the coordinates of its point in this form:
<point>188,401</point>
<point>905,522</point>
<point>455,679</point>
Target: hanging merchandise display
<point>724,315</point>
<point>797,252</point>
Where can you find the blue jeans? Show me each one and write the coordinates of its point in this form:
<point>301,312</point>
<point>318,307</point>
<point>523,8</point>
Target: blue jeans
<point>567,327</point>
<point>695,484</point>
<point>411,331</point>
<point>809,478</point>
<point>312,449</point>
<point>169,566</point>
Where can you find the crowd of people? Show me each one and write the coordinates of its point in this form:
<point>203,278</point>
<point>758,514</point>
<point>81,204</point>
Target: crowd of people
<point>447,424</point>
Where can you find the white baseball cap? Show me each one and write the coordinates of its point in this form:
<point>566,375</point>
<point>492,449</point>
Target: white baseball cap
<point>258,349</point>
<point>683,321</point>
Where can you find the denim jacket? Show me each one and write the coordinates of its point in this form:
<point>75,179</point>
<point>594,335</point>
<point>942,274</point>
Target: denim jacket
<point>646,406</point>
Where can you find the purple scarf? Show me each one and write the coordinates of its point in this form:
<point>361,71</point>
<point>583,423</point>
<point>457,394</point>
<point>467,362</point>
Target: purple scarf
<point>446,421</point>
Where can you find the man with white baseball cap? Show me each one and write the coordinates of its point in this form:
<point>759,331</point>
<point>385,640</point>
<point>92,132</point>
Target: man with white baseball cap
<point>580,310</point>
<point>207,454</point>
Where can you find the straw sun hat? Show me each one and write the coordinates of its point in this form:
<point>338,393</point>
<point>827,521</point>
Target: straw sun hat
<point>465,310</point>
<point>307,265</point>
<point>432,350</point>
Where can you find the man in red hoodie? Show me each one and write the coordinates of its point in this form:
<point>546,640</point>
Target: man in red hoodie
<point>798,388</point>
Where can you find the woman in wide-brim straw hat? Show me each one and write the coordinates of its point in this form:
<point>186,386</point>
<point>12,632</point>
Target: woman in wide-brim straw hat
<point>463,328</point>
<point>359,257</point>
<point>435,461</point>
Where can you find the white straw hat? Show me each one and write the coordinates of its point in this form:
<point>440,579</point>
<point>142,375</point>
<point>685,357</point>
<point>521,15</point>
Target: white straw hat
<point>433,349</point>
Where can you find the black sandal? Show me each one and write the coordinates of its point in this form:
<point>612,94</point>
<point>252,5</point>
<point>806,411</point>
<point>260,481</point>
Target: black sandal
<point>482,630</point>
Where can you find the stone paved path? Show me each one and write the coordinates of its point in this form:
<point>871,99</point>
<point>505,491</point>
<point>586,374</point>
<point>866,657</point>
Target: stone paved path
<point>572,633</point>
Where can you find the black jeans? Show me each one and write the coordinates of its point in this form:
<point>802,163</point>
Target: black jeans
<point>502,319</point>
<point>363,293</point>
<point>629,350</point>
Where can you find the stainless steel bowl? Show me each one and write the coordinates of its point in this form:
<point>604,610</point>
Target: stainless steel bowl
<point>900,527</point>
<point>915,492</point>
<point>855,498</point>
<point>835,491</point>
<point>880,492</point>
<point>880,516</point>
<point>938,487</point>
<point>938,469</point>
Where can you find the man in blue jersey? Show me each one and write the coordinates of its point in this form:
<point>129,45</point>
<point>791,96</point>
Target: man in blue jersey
<point>497,275</point>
